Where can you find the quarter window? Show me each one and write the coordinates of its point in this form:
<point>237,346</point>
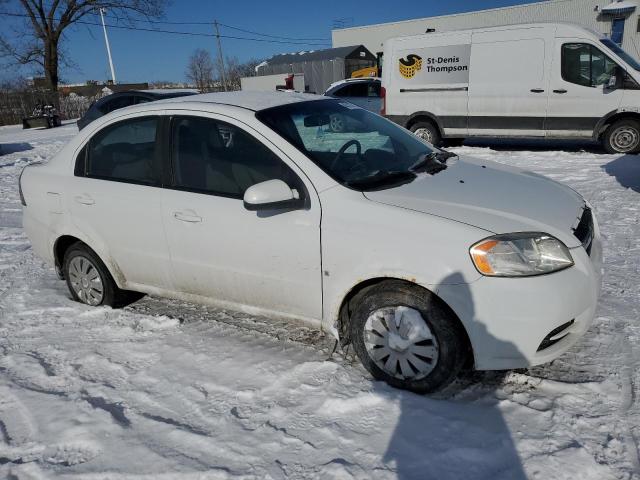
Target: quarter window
<point>584,64</point>
<point>217,158</point>
<point>125,152</point>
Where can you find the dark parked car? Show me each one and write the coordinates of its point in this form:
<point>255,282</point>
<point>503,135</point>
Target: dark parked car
<point>124,99</point>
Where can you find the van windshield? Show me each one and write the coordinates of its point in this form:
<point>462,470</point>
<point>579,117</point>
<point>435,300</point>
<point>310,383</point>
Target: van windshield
<point>354,146</point>
<point>629,60</point>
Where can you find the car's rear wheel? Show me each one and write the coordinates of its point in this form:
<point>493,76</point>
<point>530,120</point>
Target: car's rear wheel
<point>622,136</point>
<point>404,336</point>
<point>427,131</point>
<point>89,280</point>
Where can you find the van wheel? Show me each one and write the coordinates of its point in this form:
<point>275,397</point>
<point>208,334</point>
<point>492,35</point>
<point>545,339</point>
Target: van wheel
<point>90,282</point>
<point>427,131</point>
<point>403,336</point>
<point>622,136</point>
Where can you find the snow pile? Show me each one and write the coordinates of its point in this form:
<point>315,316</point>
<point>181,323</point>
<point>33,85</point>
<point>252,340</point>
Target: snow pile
<point>165,390</point>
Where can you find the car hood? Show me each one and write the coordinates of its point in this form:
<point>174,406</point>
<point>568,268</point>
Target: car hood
<point>491,196</point>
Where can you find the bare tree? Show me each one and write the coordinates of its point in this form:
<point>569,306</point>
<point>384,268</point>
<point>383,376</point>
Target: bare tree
<point>39,40</point>
<point>236,70</point>
<point>200,70</point>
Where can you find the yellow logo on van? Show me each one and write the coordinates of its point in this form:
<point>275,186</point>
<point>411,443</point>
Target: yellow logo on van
<point>410,65</point>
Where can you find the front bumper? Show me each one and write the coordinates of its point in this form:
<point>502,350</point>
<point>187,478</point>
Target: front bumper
<point>507,319</point>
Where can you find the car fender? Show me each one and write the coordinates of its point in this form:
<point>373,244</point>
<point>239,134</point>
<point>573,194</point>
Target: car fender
<point>364,240</point>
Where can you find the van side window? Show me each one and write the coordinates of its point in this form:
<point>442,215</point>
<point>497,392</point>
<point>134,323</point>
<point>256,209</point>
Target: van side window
<point>214,157</point>
<point>584,64</point>
<point>125,152</point>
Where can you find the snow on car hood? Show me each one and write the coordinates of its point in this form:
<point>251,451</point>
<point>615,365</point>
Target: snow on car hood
<point>491,196</point>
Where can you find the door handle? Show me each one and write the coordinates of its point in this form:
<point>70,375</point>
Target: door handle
<point>537,90</point>
<point>560,90</point>
<point>187,217</point>
<point>84,199</point>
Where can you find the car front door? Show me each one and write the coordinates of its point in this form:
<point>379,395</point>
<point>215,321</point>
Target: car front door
<point>267,259</point>
<point>580,93</point>
<point>114,200</point>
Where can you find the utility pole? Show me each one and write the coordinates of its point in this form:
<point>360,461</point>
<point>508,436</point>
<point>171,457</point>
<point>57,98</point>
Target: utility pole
<point>106,40</point>
<point>220,57</point>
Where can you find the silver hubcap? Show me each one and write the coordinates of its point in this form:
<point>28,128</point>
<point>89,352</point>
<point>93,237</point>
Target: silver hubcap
<point>625,139</point>
<point>85,280</point>
<point>401,343</point>
<point>336,123</point>
<point>425,134</point>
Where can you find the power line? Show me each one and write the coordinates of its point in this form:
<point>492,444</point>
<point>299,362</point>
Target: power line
<point>267,35</point>
<point>167,22</point>
<point>175,32</point>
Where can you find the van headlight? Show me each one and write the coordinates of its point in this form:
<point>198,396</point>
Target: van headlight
<point>520,255</point>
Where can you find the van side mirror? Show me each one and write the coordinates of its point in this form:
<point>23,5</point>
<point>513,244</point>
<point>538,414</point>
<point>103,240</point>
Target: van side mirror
<point>612,83</point>
<point>271,195</point>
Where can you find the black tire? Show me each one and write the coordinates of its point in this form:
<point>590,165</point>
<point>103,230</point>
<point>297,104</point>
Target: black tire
<point>622,136</point>
<point>112,296</point>
<point>447,331</point>
<point>427,131</point>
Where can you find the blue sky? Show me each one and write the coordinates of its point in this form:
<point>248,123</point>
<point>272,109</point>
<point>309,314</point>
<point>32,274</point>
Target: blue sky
<point>149,56</point>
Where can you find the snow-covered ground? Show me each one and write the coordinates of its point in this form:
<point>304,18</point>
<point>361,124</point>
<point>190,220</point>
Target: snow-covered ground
<point>164,389</point>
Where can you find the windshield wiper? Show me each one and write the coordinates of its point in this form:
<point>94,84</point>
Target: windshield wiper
<point>382,179</point>
<point>433,162</point>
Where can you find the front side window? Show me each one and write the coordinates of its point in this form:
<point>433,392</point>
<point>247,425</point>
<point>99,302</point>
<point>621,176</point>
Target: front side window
<point>586,65</point>
<point>214,157</point>
<point>355,147</point>
<point>125,152</point>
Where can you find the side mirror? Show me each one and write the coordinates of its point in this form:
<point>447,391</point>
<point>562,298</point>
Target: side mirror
<point>270,195</point>
<point>612,83</point>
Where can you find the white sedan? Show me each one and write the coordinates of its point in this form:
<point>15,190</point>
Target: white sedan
<point>425,262</point>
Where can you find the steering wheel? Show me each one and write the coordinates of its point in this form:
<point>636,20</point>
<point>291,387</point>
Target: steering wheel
<point>343,149</point>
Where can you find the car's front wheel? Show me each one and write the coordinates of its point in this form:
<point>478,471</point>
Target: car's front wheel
<point>427,131</point>
<point>404,336</point>
<point>622,136</point>
<point>90,282</point>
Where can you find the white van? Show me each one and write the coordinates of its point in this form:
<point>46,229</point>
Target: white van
<point>535,80</point>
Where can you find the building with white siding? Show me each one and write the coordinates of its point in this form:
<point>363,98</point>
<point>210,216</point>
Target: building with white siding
<point>617,19</point>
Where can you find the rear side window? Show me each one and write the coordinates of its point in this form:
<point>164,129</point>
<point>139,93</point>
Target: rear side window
<point>586,65</point>
<point>214,157</point>
<point>359,89</point>
<point>373,89</point>
<point>116,103</point>
<point>124,152</point>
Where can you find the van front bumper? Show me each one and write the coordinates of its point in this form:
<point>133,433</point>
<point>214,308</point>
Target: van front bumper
<point>520,322</point>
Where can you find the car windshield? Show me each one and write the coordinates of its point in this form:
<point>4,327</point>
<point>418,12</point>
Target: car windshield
<point>355,147</point>
<point>621,53</point>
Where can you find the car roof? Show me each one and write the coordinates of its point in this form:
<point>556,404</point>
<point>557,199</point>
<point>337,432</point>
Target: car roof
<point>245,99</point>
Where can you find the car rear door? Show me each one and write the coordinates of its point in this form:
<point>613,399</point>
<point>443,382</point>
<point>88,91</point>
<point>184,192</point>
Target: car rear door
<point>114,199</point>
<point>219,249</point>
<point>509,82</point>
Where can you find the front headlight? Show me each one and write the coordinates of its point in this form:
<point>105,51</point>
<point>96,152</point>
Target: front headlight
<point>520,255</point>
